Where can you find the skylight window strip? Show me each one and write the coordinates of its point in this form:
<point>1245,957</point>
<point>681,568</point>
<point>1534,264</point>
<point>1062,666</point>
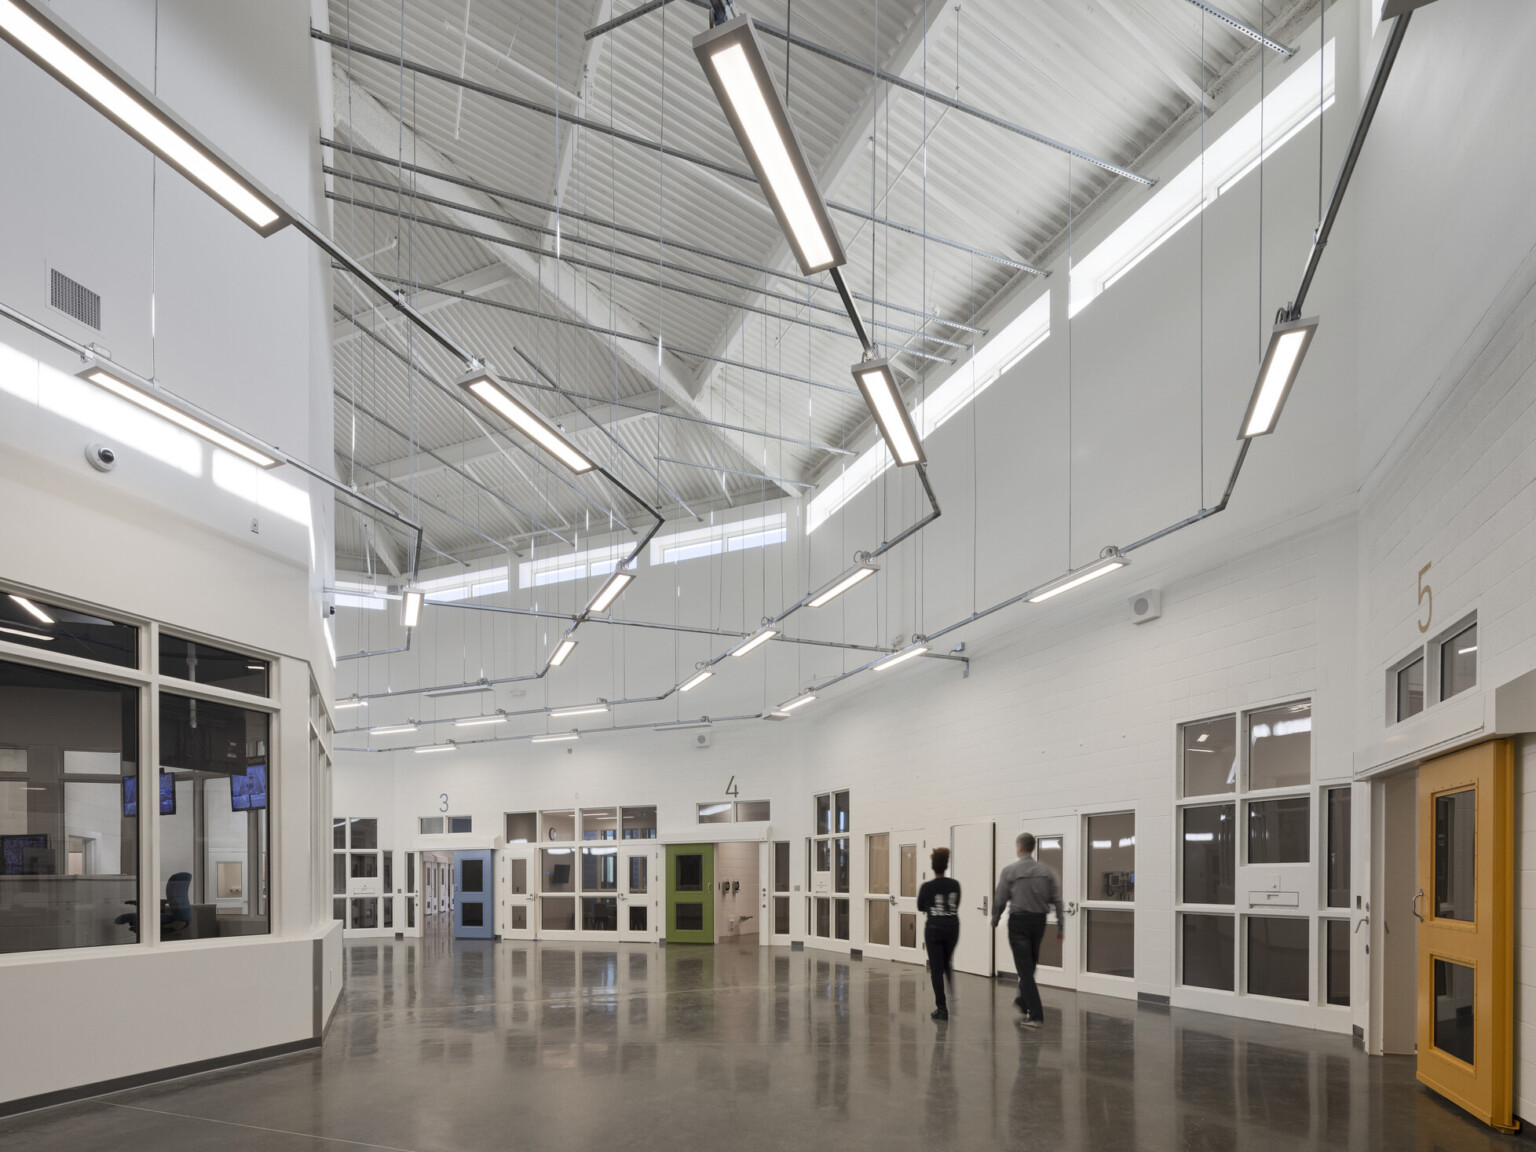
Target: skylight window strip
<point>732,536</point>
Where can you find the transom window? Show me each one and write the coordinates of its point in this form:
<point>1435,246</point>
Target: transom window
<point>829,850</point>
<point>1433,672</point>
<point>757,532</point>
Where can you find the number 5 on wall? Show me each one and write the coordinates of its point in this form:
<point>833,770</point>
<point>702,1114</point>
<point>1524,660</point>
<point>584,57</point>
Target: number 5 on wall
<point>1426,592</point>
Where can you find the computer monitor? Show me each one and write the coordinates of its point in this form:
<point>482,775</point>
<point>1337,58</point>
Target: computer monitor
<point>167,795</point>
<point>250,790</point>
<point>559,875</point>
<point>24,855</point>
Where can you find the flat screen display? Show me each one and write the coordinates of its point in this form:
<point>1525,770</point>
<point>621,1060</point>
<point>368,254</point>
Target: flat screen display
<point>167,795</point>
<point>250,790</point>
<point>559,874</point>
<point>25,855</point>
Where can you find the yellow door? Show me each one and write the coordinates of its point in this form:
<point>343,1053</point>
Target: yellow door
<point>1466,939</point>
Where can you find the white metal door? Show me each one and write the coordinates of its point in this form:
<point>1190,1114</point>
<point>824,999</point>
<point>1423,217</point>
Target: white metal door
<point>909,868</point>
<point>971,863</point>
<point>1058,959</point>
<point>515,918</point>
<point>641,890</point>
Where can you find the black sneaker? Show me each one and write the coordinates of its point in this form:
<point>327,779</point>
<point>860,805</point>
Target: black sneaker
<point>939,1014</point>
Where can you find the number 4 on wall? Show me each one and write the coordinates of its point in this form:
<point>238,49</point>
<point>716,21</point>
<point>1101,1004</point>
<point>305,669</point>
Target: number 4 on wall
<point>732,788</point>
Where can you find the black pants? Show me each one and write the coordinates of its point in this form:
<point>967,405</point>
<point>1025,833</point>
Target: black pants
<point>1025,931</point>
<point>941,939</point>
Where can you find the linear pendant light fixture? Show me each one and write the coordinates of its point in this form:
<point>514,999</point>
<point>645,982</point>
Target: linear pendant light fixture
<point>798,702</point>
<point>580,710</point>
<point>393,729</point>
<point>173,409</point>
<point>55,47</point>
<point>354,702</point>
<point>426,748</point>
<point>876,378</point>
<point>753,642</point>
<point>695,680</point>
<point>901,656</point>
<point>1288,343</point>
<point>1109,560</point>
<point>480,721</point>
<point>410,607</point>
<point>562,651</point>
<point>461,689</point>
<point>557,737</point>
<point>677,725</point>
<point>733,62</point>
<point>833,589</point>
<point>483,387</point>
<point>611,591</point>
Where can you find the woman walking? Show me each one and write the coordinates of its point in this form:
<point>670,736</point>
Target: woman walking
<point>940,898</point>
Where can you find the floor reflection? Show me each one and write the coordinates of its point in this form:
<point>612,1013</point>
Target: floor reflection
<point>441,1044</point>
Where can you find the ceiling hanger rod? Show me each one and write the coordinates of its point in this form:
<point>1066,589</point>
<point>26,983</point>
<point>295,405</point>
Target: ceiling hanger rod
<point>626,230</point>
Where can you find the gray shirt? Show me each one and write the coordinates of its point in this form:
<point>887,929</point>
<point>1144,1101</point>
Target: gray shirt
<point>1027,886</point>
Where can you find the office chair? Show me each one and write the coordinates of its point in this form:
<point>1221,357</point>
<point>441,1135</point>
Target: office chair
<point>175,909</point>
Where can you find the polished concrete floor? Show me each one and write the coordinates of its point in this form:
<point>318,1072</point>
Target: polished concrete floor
<point>467,1045</point>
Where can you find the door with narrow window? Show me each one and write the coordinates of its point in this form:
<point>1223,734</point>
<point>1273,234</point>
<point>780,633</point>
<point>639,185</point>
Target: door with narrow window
<point>690,893</point>
<point>640,891</point>
<point>473,888</point>
<point>516,911</point>
<point>1465,901</point>
<point>1058,957</point>
<point>972,863</point>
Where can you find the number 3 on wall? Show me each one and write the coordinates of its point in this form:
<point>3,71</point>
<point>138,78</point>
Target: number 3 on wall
<point>443,796</point>
<point>1426,593</point>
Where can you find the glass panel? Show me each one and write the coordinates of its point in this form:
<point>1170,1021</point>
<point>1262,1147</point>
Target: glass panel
<point>823,855</point>
<point>840,808</point>
<point>690,872</point>
<point>1338,847</point>
<point>781,866</point>
<point>639,874</point>
<point>519,877</point>
<point>823,916</point>
<point>715,813</point>
<point>688,917</point>
<point>410,871</point>
<point>1209,951</point>
<point>388,859</point>
<point>638,917</point>
<point>559,825</point>
<point>878,853</point>
<point>339,832</point>
<point>840,919</point>
<point>559,913</point>
<point>640,823</point>
<point>472,913</point>
<point>600,913</point>
<point>1458,663</point>
<point>217,840</point>
<point>1454,1026</point>
<point>781,915</point>
<point>205,664</point>
<point>1210,756</point>
<point>67,632</point>
<point>824,815</point>
<point>908,869</point>
<point>338,873</point>
<point>599,823</point>
<point>1210,854</point>
<point>365,865</point>
<point>1111,940</point>
<point>1048,850</point>
<point>600,870</point>
<point>1277,956</point>
<point>518,917</point>
<point>909,929</point>
<point>1410,689</point>
<point>461,824</point>
<point>365,912</point>
<point>878,913</point>
<point>389,912</point>
<point>1280,747</point>
<point>840,855</point>
<point>429,825</point>
<point>1278,830</point>
<point>410,911</point>
<point>557,873</point>
<point>339,909</point>
<point>365,833</point>
<point>1112,857</point>
<point>1455,856</point>
<point>472,875</point>
<point>522,827</point>
<point>1338,961</point>
<point>752,811</point>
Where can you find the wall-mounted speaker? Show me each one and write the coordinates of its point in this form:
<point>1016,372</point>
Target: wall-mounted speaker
<point>703,739</point>
<point>1145,606</point>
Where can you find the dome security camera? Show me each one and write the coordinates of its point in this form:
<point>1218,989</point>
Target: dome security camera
<point>100,457</point>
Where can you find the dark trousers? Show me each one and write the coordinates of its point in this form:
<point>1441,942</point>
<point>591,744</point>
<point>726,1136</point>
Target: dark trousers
<point>1025,931</point>
<point>941,940</point>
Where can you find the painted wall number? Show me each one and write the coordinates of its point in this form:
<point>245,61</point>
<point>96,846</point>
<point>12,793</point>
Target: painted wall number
<point>1426,593</point>
<point>732,788</point>
<point>442,796</point>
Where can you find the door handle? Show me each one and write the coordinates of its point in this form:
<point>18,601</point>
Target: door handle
<point>1071,907</point>
<point>983,908</point>
<point>1417,896</point>
<point>893,901</point>
<point>1364,920</point>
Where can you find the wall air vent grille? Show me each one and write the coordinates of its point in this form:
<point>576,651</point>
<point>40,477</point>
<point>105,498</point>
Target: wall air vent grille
<point>74,299</point>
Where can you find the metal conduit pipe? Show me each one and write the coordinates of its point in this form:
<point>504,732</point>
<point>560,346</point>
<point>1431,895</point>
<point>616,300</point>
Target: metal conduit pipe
<point>626,230</point>
<point>413,529</point>
<point>576,262</point>
<point>396,61</point>
<point>529,736</point>
<point>563,238</point>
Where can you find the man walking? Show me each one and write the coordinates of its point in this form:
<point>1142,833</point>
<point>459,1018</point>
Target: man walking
<point>1027,888</point>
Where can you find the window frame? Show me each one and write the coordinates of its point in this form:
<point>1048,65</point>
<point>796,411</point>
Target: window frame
<point>1087,977</point>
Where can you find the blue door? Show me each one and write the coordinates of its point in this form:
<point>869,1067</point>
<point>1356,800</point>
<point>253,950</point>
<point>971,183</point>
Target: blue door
<point>474,910</point>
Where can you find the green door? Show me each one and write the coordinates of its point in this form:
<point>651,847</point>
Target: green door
<point>690,893</point>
